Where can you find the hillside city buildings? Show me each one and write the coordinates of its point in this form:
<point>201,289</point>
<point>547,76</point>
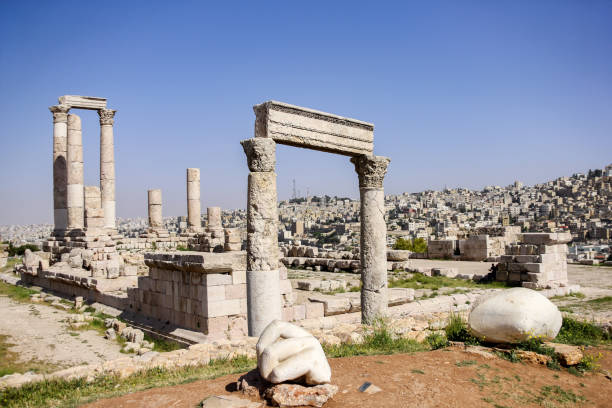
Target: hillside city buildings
<point>580,204</point>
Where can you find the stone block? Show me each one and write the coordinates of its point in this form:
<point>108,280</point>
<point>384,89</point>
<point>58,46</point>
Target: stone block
<point>526,258</point>
<point>223,308</point>
<point>552,238</point>
<point>235,291</point>
<point>216,325</point>
<point>238,277</point>
<point>552,249</point>
<point>303,127</point>
<point>216,279</point>
<point>514,276</point>
<point>299,312</point>
<point>552,258</point>
<point>534,267</point>
<point>516,267</point>
<point>83,102</point>
<point>211,293</point>
<point>332,304</point>
<point>314,310</point>
<point>501,276</point>
<point>528,250</point>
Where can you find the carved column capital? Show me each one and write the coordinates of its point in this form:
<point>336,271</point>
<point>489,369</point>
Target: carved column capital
<point>261,153</point>
<point>107,116</point>
<point>371,170</point>
<point>60,113</point>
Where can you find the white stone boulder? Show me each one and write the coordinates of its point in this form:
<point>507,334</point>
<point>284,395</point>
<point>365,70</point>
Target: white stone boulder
<point>287,352</point>
<point>514,315</point>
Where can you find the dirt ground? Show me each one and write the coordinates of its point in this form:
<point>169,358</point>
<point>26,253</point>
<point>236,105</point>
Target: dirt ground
<point>441,378</point>
<point>38,332</point>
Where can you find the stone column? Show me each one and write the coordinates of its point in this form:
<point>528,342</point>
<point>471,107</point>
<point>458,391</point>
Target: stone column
<point>263,287</point>
<point>107,166</point>
<point>155,210</point>
<point>213,216</point>
<point>75,197</point>
<point>373,251</point>
<point>60,168</point>
<point>194,209</point>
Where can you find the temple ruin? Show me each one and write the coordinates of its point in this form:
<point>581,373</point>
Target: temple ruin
<point>277,122</point>
<point>203,281</point>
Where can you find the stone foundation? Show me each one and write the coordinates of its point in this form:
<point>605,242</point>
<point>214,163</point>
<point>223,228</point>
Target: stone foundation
<point>538,261</point>
<point>199,291</point>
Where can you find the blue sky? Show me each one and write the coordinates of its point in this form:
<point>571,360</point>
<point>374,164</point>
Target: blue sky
<point>462,93</point>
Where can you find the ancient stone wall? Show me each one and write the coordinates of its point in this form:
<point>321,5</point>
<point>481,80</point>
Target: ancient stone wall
<point>441,248</point>
<point>198,291</point>
<point>538,261</point>
<point>475,248</point>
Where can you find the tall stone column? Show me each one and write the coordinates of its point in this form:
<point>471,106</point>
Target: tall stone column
<point>194,209</point>
<point>107,166</point>
<point>263,288</point>
<point>60,166</point>
<point>371,171</point>
<point>155,209</point>
<point>74,156</point>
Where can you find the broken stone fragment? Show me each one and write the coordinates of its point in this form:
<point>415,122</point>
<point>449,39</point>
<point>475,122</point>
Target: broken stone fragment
<point>295,395</point>
<point>226,401</point>
<point>568,355</point>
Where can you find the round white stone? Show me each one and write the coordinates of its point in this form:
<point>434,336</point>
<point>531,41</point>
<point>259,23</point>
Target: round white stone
<point>514,315</point>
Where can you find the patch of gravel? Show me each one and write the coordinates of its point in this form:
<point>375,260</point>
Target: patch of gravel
<point>39,332</point>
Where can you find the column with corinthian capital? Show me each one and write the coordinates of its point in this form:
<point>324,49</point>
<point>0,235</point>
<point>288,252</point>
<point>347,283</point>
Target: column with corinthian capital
<point>373,246</point>
<point>263,280</point>
<point>107,166</point>
<point>60,168</point>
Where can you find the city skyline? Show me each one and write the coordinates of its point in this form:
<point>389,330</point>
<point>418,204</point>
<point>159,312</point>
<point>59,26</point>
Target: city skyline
<point>461,96</point>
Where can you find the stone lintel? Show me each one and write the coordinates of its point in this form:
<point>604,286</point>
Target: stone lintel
<point>546,238</point>
<point>308,128</point>
<point>83,102</point>
<point>203,262</point>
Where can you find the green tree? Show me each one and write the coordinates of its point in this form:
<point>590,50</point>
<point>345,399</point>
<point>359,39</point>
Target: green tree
<point>414,245</point>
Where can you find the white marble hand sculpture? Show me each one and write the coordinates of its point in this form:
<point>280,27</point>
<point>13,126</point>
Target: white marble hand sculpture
<point>287,352</point>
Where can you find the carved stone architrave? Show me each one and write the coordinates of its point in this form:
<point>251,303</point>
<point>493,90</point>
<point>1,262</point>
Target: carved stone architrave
<point>261,154</point>
<point>371,170</point>
<point>107,116</point>
<point>60,113</point>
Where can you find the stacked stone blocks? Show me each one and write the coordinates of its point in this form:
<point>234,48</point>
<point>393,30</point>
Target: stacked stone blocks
<point>539,260</point>
<point>198,291</point>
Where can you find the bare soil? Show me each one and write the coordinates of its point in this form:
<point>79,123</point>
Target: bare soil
<point>441,378</point>
<point>38,332</point>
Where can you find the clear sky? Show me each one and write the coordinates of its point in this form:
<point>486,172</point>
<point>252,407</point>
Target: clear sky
<point>462,93</point>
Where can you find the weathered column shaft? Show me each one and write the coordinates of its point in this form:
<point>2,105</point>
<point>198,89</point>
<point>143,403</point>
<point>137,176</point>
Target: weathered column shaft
<point>263,287</point>
<point>213,217</point>
<point>107,166</point>
<point>194,208</point>
<point>60,168</point>
<point>373,244</point>
<point>155,209</point>
<point>74,156</point>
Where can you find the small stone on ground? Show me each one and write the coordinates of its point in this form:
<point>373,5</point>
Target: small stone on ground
<point>294,395</point>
